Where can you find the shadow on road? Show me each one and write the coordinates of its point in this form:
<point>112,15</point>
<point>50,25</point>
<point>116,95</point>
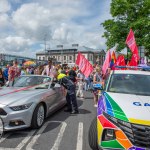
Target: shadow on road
<point>84,111</point>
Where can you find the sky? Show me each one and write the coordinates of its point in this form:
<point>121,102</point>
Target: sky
<point>26,25</point>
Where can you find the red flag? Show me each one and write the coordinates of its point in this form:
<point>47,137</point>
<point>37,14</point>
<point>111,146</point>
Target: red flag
<point>130,41</point>
<point>78,58</point>
<point>84,65</point>
<point>120,61</point>
<point>106,63</point>
<point>133,61</point>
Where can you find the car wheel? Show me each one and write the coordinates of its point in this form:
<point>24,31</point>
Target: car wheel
<point>38,116</point>
<point>92,137</point>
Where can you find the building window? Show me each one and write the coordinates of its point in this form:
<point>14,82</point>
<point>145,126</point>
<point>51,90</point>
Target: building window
<point>64,57</point>
<point>43,58</point>
<point>39,58</point>
<point>91,58</point>
<point>58,57</point>
<point>70,57</point>
<point>53,56</point>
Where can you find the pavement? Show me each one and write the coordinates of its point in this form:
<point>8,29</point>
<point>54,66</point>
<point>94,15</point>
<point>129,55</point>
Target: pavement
<point>61,131</point>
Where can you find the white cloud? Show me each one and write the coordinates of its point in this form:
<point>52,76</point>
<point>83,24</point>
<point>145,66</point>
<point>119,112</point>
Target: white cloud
<point>4,21</point>
<point>4,6</point>
<point>15,44</point>
<point>60,22</point>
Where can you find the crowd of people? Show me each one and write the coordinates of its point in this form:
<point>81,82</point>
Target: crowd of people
<point>72,77</point>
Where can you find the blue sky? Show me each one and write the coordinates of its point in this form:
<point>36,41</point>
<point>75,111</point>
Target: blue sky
<point>24,24</point>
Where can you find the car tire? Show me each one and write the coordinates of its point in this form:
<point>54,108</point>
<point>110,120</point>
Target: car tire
<point>38,116</point>
<point>92,136</point>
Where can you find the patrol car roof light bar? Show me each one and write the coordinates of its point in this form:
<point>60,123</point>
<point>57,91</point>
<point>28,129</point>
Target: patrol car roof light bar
<point>133,67</point>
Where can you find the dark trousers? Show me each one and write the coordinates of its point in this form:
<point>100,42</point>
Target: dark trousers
<point>71,101</point>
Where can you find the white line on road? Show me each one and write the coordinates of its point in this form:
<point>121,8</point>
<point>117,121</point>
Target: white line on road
<point>59,137</point>
<point>80,136</point>
<point>3,138</point>
<point>24,141</point>
<point>34,139</point>
<point>38,134</point>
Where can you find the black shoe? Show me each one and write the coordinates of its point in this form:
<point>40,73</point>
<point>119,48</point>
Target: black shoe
<point>67,110</point>
<point>74,112</point>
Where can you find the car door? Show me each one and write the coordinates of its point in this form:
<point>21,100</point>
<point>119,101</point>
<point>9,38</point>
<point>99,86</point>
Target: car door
<point>54,101</point>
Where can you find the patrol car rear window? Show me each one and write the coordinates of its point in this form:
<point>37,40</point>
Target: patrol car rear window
<point>130,84</point>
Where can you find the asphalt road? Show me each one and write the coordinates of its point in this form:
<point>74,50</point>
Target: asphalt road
<point>61,131</point>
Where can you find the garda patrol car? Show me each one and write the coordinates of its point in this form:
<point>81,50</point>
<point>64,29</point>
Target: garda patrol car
<point>123,113</point>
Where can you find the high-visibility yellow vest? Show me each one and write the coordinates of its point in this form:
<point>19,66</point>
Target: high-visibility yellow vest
<point>60,76</point>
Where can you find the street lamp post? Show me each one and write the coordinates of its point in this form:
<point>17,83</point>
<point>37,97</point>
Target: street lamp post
<point>61,46</point>
<point>76,46</point>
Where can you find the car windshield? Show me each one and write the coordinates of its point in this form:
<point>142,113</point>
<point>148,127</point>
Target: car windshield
<point>130,84</point>
<point>24,81</point>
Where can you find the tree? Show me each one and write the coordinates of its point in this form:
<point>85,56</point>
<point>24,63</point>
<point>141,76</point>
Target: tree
<point>128,14</point>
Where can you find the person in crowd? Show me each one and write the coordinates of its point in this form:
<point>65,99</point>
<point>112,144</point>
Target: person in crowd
<point>80,84</point>
<point>39,70</point>
<point>5,73</point>
<point>49,69</point>
<point>13,72</point>
<point>105,77</point>
<point>32,70</point>
<point>2,81</point>
<point>72,75</point>
<point>59,68</point>
<point>97,78</point>
<point>65,81</point>
<point>23,70</point>
<point>87,81</point>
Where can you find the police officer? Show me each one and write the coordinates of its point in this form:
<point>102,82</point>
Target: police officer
<point>72,106</point>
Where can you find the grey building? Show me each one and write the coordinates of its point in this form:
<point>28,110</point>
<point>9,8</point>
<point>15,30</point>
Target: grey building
<point>65,54</point>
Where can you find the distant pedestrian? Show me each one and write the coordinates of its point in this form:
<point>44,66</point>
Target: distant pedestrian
<point>1,78</point>
<point>97,78</point>
<point>13,72</point>
<point>49,69</point>
<point>80,84</point>
<point>5,73</point>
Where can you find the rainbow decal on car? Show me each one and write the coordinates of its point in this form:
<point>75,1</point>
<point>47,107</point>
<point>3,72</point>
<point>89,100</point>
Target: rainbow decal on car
<point>109,106</point>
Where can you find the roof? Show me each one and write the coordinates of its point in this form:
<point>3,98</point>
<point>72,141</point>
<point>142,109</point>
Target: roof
<point>130,72</point>
<point>79,48</point>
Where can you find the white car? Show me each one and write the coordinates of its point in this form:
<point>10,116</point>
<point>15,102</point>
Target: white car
<point>123,113</point>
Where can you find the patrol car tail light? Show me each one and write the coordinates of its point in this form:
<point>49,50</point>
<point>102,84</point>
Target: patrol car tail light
<point>108,134</point>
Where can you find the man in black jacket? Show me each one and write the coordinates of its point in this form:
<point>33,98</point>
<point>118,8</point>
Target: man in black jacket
<point>71,94</point>
<point>72,75</point>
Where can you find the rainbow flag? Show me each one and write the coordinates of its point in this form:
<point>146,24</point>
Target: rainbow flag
<point>113,60</point>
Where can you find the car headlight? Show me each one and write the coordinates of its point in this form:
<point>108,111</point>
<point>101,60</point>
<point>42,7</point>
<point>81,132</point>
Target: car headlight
<point>20,107</point>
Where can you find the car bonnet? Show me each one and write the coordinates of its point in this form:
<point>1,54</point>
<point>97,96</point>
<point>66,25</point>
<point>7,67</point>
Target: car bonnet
<point>126,107</point>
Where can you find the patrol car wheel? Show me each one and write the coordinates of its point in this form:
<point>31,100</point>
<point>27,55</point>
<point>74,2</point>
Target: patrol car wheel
<point>92,137</point>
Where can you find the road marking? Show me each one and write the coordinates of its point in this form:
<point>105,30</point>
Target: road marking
<point>80,136</point>
<point>24,141</point>
<point>3,138</point>
<point>38,134</point>
<point>59,137</point>
<point>34,139</point>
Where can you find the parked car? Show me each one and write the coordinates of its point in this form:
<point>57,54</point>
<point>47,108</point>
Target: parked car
<point>29,101</point>
<point>123,112</point>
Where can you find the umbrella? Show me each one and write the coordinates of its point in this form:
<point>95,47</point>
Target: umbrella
<point>29,63</point>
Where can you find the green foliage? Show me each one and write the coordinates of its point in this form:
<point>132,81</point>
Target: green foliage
<point>128,14</point>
